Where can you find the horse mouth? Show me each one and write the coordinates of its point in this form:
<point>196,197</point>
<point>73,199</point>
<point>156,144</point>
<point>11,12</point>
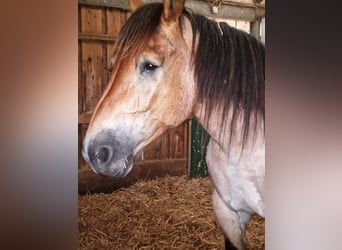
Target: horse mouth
<point>109,153</point>
<point>117,168</point>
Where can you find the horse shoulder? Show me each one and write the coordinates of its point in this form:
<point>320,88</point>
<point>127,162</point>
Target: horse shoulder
<point>239,179</point>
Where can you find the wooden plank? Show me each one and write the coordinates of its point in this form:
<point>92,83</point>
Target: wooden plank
<point>186,139</point>
<point>91,20</point>
<point>104,20</point>
<point>89,182</point>
<point>82,131</point>
<point>115,20</point>
<point>84,118</point>
<point>81,92</point>
<point>177,141</point>
<point>240,11</point>
<point>123,17</point>
<point>80,140</point>
<point>174,143</point>
<point>164,145</point>
<point>105,74</point>
<point>120,4</point>
<point>96,37</point>
<point>92,61</point>
<point>92,66</point>
<point>152,151</point>
<point>109,64</point>
<point>159,148</point>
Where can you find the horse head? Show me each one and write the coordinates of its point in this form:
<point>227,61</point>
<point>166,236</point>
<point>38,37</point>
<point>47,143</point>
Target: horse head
<point>151,88</point>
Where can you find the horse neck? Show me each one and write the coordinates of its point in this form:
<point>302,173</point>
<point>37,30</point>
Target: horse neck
<point>220,131</point>
<point>213,125</point>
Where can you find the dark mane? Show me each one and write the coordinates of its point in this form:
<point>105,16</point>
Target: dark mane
<point>229,65</point>
<point>230,73</point>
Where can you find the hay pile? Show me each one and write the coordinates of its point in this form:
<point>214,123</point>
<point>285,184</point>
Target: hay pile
<point>167,213</point>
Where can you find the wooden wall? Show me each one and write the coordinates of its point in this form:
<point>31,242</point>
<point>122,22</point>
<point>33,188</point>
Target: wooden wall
<point>167,155</point>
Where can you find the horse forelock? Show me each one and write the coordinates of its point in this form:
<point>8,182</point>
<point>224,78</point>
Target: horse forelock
<point>135,33</point>
<point>137,30</point>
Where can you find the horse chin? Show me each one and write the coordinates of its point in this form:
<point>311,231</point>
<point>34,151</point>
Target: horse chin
<point>118,168</point>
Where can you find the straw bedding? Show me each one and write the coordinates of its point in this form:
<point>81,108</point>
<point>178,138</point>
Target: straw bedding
<point>166,213</point>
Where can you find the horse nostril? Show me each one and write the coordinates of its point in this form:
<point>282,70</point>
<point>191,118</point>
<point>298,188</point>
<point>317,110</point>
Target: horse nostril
<point>103,155</point>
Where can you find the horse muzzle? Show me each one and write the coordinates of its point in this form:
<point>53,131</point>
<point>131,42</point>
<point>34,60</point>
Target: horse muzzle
<point>109,154</point>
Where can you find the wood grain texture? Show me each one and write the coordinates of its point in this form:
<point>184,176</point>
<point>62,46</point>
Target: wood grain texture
<point>92,67</point>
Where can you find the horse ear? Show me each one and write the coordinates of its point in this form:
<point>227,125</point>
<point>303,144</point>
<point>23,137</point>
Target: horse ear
<point>135,4</point>
<point>172,10</point>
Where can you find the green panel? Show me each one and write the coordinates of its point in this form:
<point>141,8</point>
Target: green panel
<point>198,148</point>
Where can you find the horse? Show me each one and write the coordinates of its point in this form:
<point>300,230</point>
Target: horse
<point>170,65</point>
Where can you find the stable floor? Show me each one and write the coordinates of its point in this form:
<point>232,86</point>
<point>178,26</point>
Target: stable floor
<point>166,213</point>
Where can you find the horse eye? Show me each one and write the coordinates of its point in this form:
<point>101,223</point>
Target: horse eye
<point>149,66</point>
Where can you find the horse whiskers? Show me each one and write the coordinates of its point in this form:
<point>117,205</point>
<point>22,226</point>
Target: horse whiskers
<point>125,163</point>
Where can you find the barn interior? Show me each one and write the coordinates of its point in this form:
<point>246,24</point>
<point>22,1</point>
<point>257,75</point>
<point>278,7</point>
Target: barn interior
<point>165,202</point>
